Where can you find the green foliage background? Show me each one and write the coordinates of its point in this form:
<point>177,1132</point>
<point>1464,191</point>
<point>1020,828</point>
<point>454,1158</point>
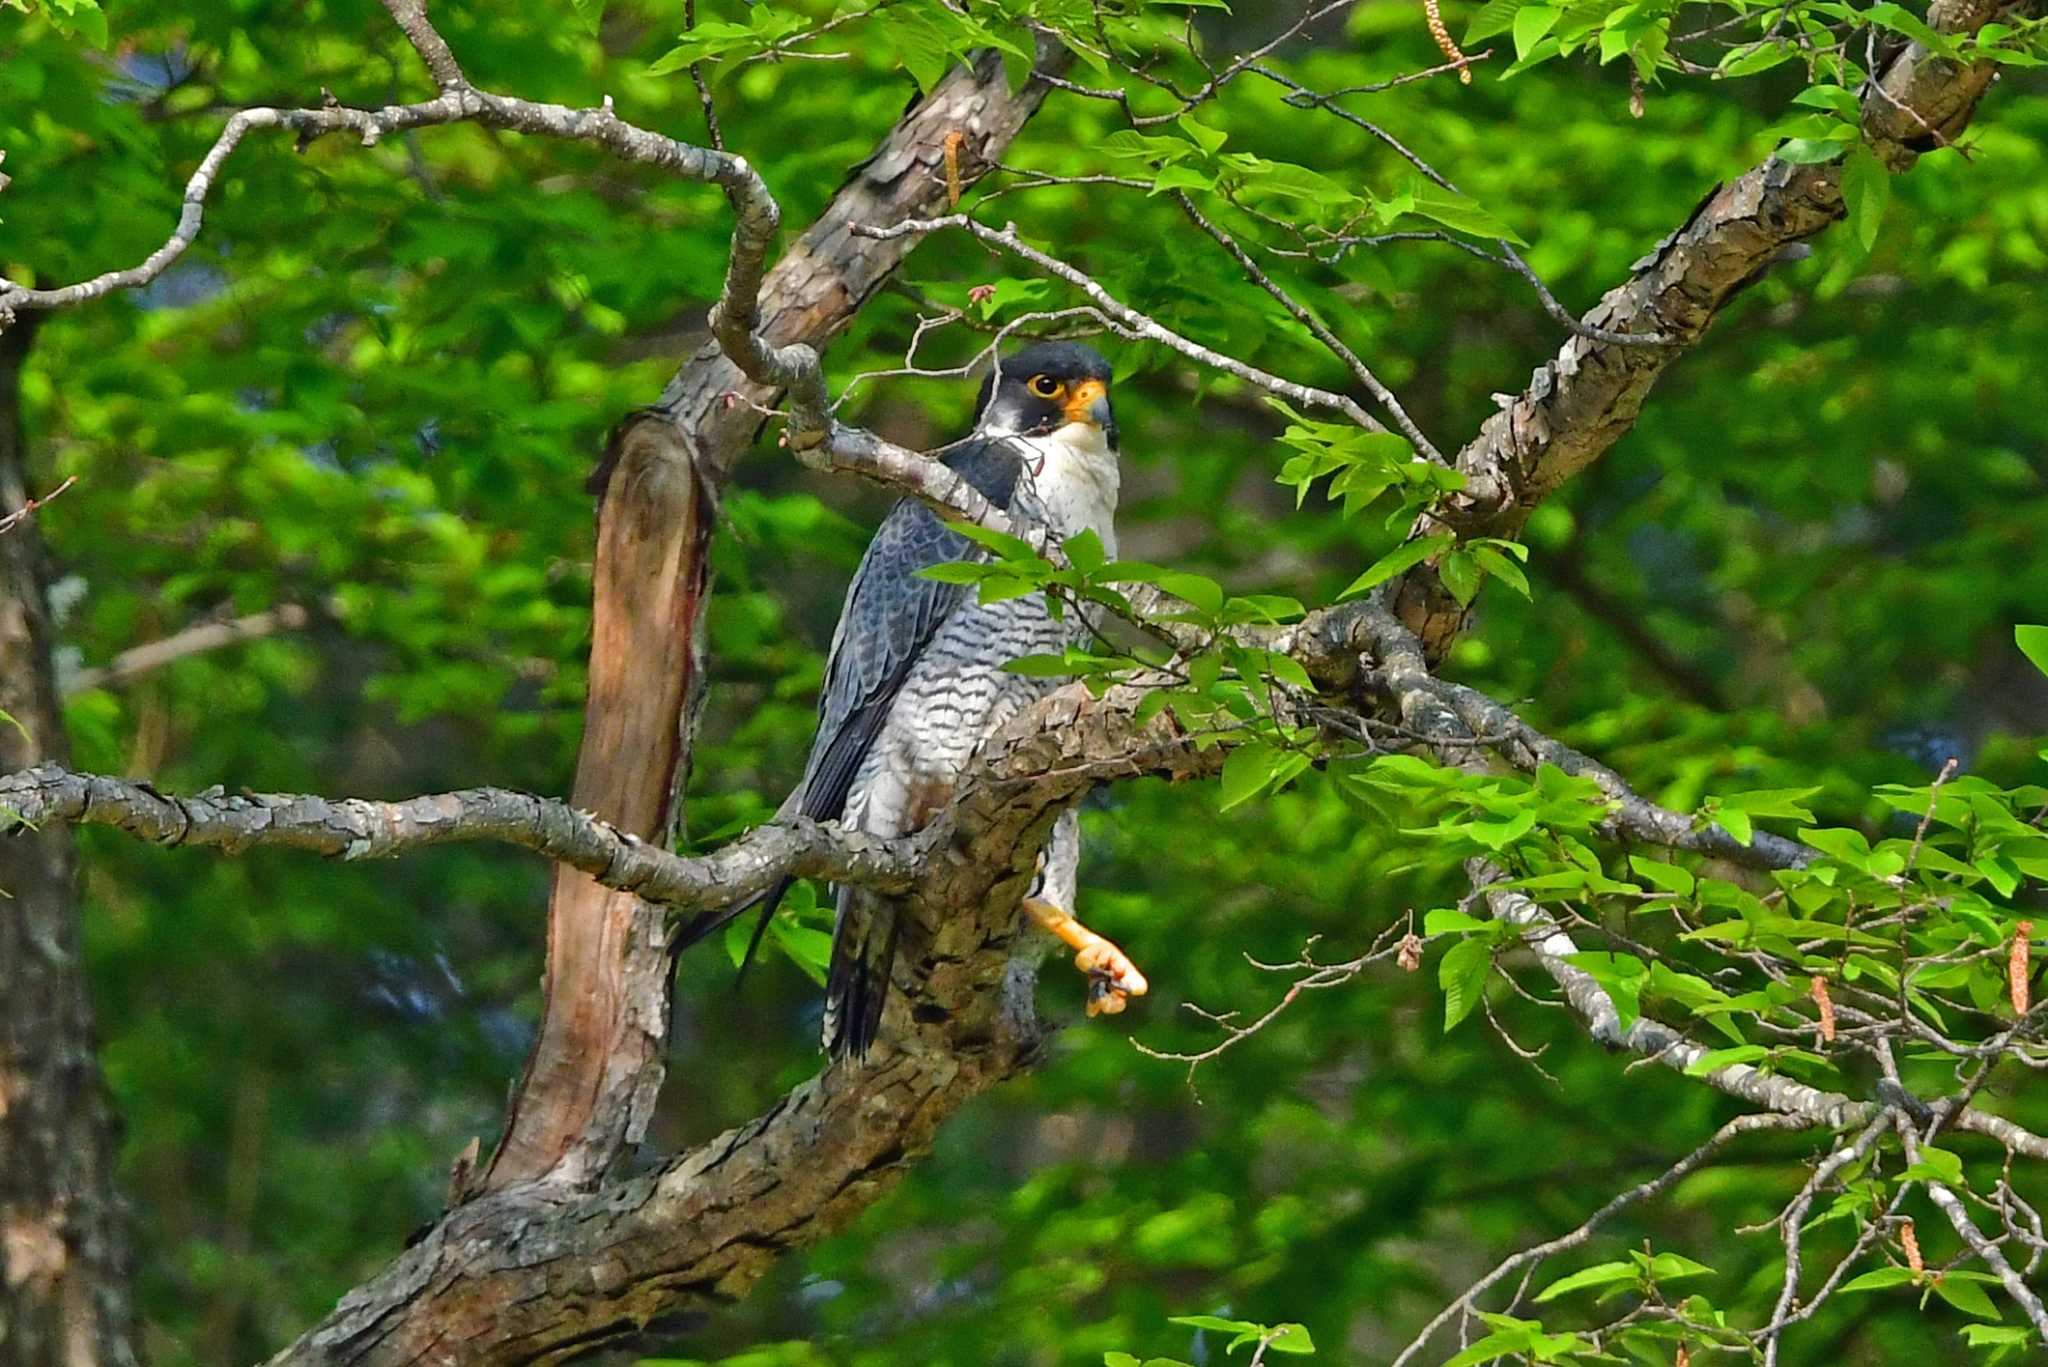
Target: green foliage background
<point>375,386</point>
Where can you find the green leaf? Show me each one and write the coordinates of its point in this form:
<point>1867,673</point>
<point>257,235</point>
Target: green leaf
<point>1866,188</point>
<point>2033,643</point>
<point>999,588</point>
<point>1084,551</point>
<point>1496,16</point>
<point>1532,22</point>
<point>1761,58</point>
<point>1462,975</point>
<point>1600,1274</point>
<point>1247,770</point>
<point>1879,1279</point>
<point>1457,212</point>
<point>1289,1338</point>
<point>591,12</point>
<point>1899,19</point>
<point>1502,568</point>
<point>1965,1296</point>
<point>1779,802</point>
<point>1940,1165</point>
<point>1671,1267</point>
<point>1002,543</point>
<point>1041,666</point>
<point>1736,822</point>
<point>1460,573</point>
<point>1837,99</point>
<point>1205,595</point>
<point>1493,1346</point>
<point>1715,1059</point>
<point>1182,178</point>
<point>1813,151</point>
<point>1402,557</point>
<point>1666,877</point>
<point>1210,140</point>
<point>808,947</point>
<point>958,572</point>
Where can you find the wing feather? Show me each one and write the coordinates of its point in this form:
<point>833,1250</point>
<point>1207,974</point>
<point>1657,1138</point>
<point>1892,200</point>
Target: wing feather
<point>890,616</point>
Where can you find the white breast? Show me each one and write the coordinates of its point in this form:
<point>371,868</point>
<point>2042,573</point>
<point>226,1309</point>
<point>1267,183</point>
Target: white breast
<point>1074,474</point>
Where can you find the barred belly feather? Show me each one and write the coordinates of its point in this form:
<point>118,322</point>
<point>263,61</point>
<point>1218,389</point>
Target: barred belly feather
<point>953,697</point>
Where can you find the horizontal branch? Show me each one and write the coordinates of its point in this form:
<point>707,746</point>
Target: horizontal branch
<point>700,1230</point>
<point>1445,715</point>
<point>356,828</point>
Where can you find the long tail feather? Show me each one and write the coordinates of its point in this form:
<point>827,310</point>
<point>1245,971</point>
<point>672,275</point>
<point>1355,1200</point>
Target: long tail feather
<point>864,941</point>
<point>706,924</point>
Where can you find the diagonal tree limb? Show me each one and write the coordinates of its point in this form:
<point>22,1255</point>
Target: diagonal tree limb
<point>1467,1301</point>
<point>536,1271</point>
<point>1422,706</point>
<point>1586,398</point>
<point>136,661</point>
<point>713,404</point>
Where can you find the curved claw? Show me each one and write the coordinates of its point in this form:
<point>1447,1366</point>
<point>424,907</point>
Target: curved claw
<point>1112,978</point>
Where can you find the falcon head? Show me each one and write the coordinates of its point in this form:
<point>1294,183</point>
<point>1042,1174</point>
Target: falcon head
<point>1046,387</point>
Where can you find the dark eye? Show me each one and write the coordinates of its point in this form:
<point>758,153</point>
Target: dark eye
<point>1045,386</point>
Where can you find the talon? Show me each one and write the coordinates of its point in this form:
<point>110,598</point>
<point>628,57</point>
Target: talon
<point>1103,960</point>
<point>1112,978</point>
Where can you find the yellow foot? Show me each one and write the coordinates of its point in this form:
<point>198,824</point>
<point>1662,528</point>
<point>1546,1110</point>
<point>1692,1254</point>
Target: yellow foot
<point>1112,978</point>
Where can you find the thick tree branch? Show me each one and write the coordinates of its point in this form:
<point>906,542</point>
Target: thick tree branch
<point>356,828</point>
<point>713,405</point>
<point>532,1272</point>
<point>1587,397</point>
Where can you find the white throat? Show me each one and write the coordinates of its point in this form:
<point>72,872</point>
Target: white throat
<point>1074,473</point>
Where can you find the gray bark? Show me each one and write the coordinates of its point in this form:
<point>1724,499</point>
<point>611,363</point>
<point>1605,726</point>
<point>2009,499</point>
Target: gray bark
<point>64,1247</point>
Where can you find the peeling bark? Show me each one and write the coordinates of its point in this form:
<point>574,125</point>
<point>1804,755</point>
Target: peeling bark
<point>597,1067</point>
<point>539,1274</point>
<point>64,1252</point>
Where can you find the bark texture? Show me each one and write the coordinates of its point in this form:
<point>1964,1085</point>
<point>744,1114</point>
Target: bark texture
<point>541,1273</point>
<point>820,283</point>
<point>559,1254</point>
<point>64,1251</point>
<point>596,1068</point>
<point>1585,399</point>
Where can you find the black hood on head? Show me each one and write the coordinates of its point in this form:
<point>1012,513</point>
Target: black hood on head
<point>1070,363</point>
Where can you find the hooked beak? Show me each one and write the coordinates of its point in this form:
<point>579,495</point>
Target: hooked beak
<point>1088,403</point>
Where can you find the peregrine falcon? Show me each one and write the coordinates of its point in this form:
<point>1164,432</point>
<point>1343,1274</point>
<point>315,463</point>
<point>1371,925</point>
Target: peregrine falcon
<point>915,679</point>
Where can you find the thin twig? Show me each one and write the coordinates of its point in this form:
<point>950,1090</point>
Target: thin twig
<point>28,509</point>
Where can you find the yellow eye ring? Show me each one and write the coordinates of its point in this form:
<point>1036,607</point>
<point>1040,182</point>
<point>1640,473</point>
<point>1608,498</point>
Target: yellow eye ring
<point>1045,386</point>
